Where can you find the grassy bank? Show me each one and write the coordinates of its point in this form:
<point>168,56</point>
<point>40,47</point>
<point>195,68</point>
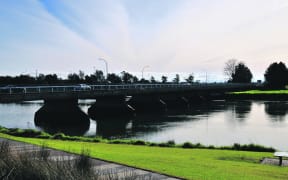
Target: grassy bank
<point>187,145</point>
<point>185,163</point>
<point>262,92</point>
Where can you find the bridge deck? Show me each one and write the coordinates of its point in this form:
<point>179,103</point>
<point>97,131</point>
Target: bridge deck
<point>29,93</point>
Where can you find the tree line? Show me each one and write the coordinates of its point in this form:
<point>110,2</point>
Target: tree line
<point>97,77</point>
<point>276,75</point>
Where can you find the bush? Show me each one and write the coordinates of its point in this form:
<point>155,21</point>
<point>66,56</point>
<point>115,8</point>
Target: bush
<point>59,136</point>
<point>187,145</point>
<point>139,142</point>
<point>153,144</point>
<point>170,143</point>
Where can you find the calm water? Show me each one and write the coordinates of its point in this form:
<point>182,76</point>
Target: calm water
<point>213,123</point>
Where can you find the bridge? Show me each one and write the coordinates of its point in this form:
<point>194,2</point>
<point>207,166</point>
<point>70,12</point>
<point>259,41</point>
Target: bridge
<point>32,93</point>
<point>113,98</point>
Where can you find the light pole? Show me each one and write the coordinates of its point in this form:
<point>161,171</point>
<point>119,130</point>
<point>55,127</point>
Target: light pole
<point>143,71</point>
<point>106,64</point>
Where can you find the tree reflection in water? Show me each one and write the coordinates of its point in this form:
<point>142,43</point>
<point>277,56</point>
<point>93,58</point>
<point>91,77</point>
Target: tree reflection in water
<point>277,110</point>
<point>241,109</point>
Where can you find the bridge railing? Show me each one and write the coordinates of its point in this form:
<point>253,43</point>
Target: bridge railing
<point>77,88</point>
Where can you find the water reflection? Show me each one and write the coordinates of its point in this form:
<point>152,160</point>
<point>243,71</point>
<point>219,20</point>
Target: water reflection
<point>113,127</point>
<point>241,109</point>
<point>277,110</point>
<point>214,122</point>
<point>66,118</point>
<point>237,112</point>
<point>207,108</point>
<point>145,124</point>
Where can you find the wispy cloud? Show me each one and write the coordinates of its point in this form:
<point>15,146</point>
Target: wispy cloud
<point>177,36</point>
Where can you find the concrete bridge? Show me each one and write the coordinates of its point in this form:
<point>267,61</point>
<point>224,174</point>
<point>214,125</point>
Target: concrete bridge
<point>112,99</point>
<point>31,93</point>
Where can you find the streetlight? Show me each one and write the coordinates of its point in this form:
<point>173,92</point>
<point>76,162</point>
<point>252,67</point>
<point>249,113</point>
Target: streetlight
<point>143,70</point>
<point>106,63</point>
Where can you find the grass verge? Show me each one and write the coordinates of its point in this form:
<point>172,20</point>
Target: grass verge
<point>262,92</point>
<point>185,163</point>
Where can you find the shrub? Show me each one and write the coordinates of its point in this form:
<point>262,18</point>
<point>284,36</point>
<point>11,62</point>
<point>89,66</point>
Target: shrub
<point>153,144</point>
<point>59,136</point>
<point>170,143</point>
<point>139,142</point>
<point>188,145</point>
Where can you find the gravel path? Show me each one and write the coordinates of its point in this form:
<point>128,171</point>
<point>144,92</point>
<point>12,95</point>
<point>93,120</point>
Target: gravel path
<point>98,165</point>
<point>274,161</point>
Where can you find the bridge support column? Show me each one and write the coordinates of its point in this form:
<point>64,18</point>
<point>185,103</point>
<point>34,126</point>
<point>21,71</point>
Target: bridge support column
<point>148,103</point>
<point>62,116</point>
<point>111,106</point>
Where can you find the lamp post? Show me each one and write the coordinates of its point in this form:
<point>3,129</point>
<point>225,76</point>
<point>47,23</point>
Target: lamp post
<point>106,64</point>
<point>143,71</point>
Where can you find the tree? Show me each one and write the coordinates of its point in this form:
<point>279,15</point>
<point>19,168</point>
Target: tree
<point>40,78</point>
<point>242,74</point>
<point>114,78</point>
<point>127,78</point>
<point>99,76</point>
<point>81,75</point>
<point>152,80</point>
<point>176,79</point>
<point>190,79</point>
<point>51,78</point>
<point>276,75</point>
<point>73,78</point>
<point>164,79</point>
<point>229,68</point>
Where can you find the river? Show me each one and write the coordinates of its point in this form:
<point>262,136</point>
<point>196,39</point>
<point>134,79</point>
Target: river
<point>210,123</point>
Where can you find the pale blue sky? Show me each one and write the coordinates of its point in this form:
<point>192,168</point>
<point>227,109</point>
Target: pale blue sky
<point>63,36</point>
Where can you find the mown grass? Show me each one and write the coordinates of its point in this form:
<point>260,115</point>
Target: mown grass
<point>252,92</point>
<point>185,163</point>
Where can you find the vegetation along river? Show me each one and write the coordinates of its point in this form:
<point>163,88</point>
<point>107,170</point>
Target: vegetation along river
<point>210,123</point>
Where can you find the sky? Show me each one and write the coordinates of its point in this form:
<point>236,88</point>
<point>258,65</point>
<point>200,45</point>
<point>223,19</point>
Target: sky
<point>169,36</point>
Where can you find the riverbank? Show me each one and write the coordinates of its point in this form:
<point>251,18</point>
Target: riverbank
<point>258,95</point>
<point>184,163</point>
<point>32,133</point>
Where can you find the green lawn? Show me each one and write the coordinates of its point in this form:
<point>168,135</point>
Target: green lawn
<point>185,163</point>
<point>262,92</point>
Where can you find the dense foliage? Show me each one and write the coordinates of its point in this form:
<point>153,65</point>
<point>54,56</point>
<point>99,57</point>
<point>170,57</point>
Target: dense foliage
<point>276,75</point>
<point>242,74</point>
<point>237,72</point>
<point>97,77</point>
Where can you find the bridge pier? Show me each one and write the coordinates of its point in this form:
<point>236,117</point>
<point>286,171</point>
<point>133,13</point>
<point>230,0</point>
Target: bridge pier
<point>62,116</point>
<point>148,103</point>
<point>111,106</point>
